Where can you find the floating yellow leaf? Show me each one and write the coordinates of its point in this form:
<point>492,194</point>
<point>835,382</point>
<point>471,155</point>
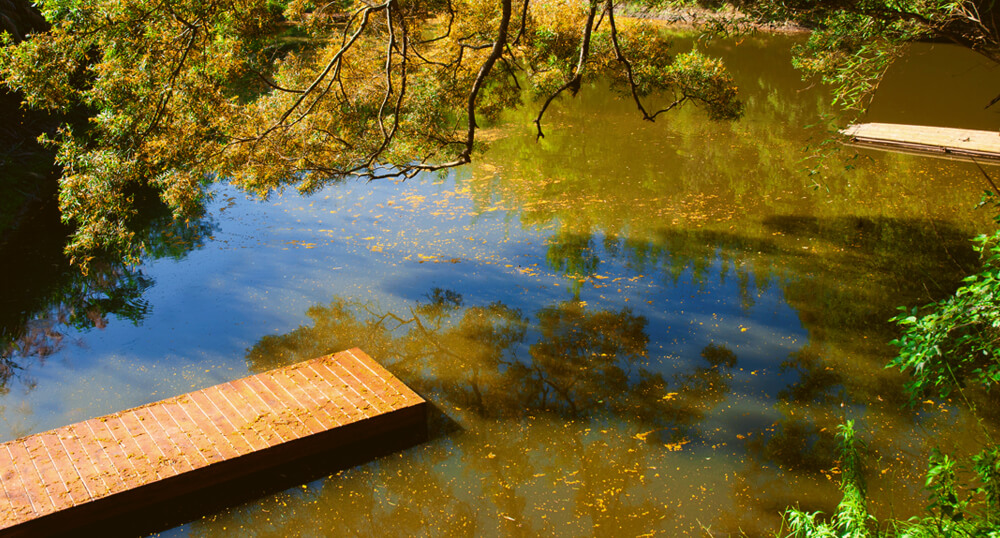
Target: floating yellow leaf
<point>676,447</point>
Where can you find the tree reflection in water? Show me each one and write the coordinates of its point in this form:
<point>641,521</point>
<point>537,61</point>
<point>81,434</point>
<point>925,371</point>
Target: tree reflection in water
<point>564,423</point>
<point>591,418</point>
<point>569,419</point>
<point>47,298</point>
<point>572,362</point>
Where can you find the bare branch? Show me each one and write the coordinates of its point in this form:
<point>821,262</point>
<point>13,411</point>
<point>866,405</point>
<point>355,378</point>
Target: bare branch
<point>996,191</point>
<point>398,43</point>
<point>668,108</point>
<point>451,20</point>
<point>161,107</point>
<point>524,22</point>
<point>484,71</point>
<point>429,61</point>
<point>335,61</point>
<point>272,84</point>
<point>388,136</point>
<point>573,84</point>
<point>511,71</point>
<point>624,61</point>
<point>388,71</point>
<point>994,101</point>
<point>335,136</point>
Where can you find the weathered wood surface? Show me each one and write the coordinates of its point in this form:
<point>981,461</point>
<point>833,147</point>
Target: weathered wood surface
<point>82,472</point>
<point>965,143</point>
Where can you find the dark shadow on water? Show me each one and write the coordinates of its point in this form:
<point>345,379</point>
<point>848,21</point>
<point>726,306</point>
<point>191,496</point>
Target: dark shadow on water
<point>46,298</point>
<point>439,424</point>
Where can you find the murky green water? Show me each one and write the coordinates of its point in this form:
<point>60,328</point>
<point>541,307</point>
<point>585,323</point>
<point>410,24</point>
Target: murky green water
<point>629,328</point>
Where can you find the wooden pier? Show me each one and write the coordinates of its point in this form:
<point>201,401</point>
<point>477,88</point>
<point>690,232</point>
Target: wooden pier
<point>93,470</point>
<point>963,144</point>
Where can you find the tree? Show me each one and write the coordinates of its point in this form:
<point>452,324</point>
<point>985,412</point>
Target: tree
<point>269,94</point>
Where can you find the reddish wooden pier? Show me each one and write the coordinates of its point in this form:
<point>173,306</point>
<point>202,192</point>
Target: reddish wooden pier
<point>964,144</point>
<point>94,469</point>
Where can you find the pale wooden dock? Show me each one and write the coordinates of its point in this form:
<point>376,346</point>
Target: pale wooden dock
<point>88,471</point>
<point>923,139</point>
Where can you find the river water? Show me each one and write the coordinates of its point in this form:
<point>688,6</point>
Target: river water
<point>627,328</point>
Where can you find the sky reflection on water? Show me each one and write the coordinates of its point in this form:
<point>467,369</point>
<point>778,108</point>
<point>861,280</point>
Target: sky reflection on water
<point>627,328</point>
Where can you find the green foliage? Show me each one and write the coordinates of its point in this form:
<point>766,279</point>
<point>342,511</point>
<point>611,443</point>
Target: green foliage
<point>942,484</point>
<point>156,81</point>
<point>706,80</point>
<point>268,94</point>
<point>945,347</point>
<point>987,467</point>
<point>852,519</point>
<point>950,343</point>
<point>851,52</point>
<point>952,512</point>
<point>949,513</point>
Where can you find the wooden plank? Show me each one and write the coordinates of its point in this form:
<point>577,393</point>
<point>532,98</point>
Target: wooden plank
<point>205,446</point>
<point>348,401</point>
<point>91,472</point>
<point>313,399</point>
<point>103,432</point>
<point>241,442</point>
<point>379,371</point>
<point>51,481</point>
<point>110,458</point>
<point>924,139</point>
<point>83,473</point>
<point>26,478</point>
<point>152,456</point>
<point>327,396</point>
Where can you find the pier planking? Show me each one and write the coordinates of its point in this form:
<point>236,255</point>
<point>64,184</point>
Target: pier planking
<point>965,144</point>
<point>94,469</point>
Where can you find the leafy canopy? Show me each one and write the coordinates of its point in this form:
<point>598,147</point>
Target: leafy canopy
<point>268,94</point>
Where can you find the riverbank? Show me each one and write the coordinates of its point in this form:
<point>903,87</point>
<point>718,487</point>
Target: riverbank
<point>729,20</point>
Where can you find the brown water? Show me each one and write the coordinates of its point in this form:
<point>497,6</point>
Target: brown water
<point>627,328</point>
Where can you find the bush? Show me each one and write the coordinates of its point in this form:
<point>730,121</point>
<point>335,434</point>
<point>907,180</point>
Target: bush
<point>945,347</point>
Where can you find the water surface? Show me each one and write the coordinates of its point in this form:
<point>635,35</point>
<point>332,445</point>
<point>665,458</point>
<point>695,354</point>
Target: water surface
<point>628,328</point>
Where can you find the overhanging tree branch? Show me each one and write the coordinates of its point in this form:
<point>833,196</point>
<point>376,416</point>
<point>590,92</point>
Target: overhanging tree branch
<point>573,84</point>
<point>625,62</point>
